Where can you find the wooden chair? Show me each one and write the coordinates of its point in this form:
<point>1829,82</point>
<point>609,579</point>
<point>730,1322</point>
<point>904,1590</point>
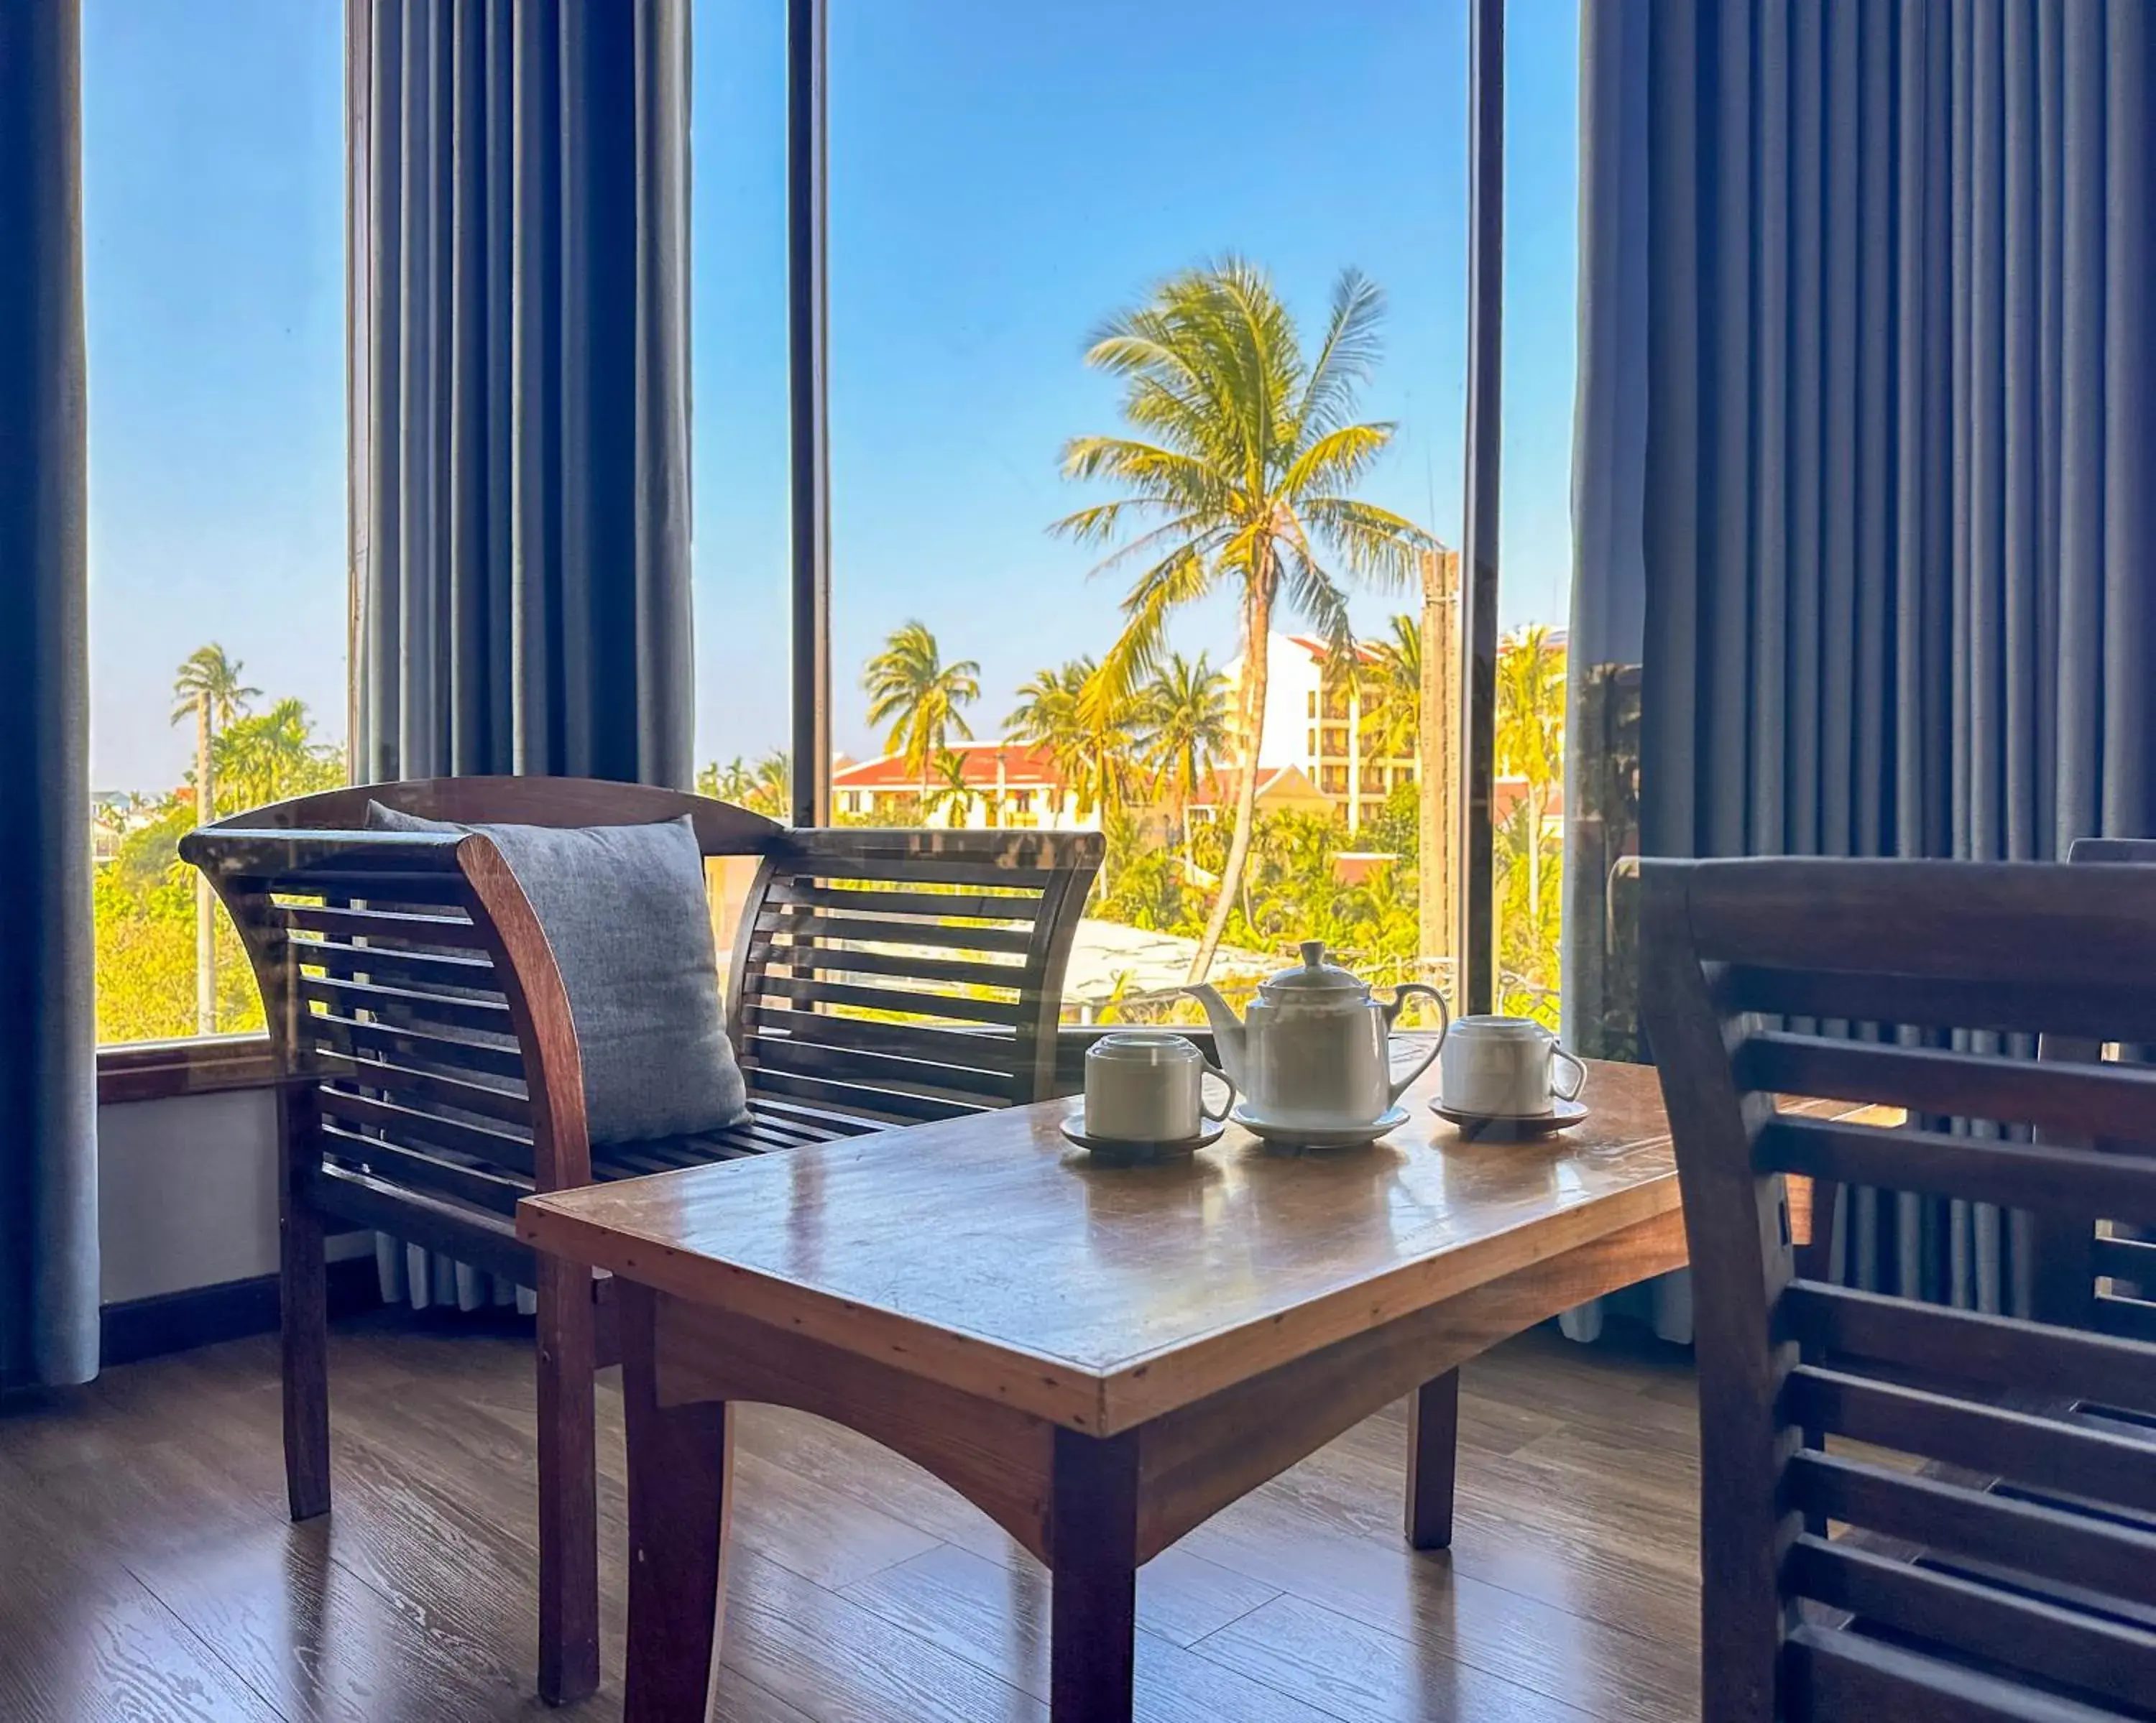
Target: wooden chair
<point>2009,1572</point>
<point>430,1075</point>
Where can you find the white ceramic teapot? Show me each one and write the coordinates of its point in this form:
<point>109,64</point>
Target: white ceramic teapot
<point>1315,1049</point>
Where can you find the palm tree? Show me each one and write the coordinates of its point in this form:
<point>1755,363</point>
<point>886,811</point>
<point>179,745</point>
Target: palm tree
<point>732,782</point>
<point>770,790</point>
<point>208,690</point>
<point>1392,691</point>
<point>1088,738</point>
<point>1184,723</point>
<point>272,756</point>
<point>951,789</point>
<point>1531,734</point>
<point>1239,476</point>
<point>911,689</point>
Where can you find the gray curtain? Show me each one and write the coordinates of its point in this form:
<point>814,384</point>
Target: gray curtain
<point>1899,350</point>
<point>519,301</point>
<point>519,367</point>
<point>48,1268</point>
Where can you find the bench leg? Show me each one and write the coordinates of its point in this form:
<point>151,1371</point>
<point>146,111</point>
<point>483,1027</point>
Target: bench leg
<point>568,1505</point>
<point>680,1473</point>
<point>303,1321</point>
<point>1094,1579</point>
<point>1433,1457</point>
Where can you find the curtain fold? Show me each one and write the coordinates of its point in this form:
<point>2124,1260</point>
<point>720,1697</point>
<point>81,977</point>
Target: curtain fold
<point>520,364</point>
<point>49,1250</point>
<point>1898,572</point>
<point>520,507</point>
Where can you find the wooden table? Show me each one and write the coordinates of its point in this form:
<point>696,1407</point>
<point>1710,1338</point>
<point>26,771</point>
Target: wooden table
<point>1099,1358</point>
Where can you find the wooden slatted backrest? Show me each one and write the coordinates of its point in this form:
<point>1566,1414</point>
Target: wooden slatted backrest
<point>908,975</point>
<point>413,1005</point>
<point>420,1030</point>
<point>2022,1598</point>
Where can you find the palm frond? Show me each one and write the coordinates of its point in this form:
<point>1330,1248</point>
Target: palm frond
<point>1346,354</point>
<point>1377,544</point>
<point>1337,458</point>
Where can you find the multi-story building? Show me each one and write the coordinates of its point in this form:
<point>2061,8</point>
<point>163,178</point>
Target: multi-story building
<point>1327,722</point>
<point>1015,784</point>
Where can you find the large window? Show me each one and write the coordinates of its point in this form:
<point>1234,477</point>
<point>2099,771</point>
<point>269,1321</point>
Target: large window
<point>214,201</point>
<point>1035,215</point>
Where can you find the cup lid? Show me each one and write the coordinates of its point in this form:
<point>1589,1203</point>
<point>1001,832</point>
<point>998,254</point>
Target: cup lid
<point>1149,1047</point>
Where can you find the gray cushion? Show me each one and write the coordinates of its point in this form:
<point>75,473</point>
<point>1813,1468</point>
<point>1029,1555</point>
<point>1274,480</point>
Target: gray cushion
<point>624,910</point>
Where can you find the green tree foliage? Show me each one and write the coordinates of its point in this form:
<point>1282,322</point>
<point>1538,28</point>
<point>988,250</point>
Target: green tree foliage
<point>1092,740</point>
<point>766,787</point>
<point>1185,724</point>
<point>143,899</point>
<point>1239,474</point>
<point>919,697</point>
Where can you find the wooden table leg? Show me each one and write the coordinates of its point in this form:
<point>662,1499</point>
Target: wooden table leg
<point>680,1469</point>
<point>1093,1568</point>
<point>1433,1454</point>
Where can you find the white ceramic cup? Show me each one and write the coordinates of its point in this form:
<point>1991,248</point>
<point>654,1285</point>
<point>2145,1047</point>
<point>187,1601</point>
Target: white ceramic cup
<point>1505,1068</point>
<point>1148,1086</point>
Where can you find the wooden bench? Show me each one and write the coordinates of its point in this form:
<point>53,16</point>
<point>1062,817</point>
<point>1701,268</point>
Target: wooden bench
<point>430,1076</point>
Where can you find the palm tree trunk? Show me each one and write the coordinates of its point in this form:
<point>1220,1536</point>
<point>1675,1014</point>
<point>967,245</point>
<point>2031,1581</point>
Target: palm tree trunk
<point>1257,624</point>
<point>205,902</point>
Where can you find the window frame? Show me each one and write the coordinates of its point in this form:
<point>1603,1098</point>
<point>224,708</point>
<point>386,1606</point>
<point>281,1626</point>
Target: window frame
<point>199,1065</point>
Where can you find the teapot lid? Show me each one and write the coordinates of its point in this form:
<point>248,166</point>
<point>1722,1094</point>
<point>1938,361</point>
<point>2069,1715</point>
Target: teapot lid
<point>1314,979</point>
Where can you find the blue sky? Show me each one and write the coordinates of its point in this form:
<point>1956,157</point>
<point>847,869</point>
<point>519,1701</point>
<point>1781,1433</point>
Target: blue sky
<point>1002,179</point>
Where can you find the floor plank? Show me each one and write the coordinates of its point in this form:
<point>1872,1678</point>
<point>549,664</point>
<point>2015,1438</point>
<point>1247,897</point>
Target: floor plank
<point>147,1569</point>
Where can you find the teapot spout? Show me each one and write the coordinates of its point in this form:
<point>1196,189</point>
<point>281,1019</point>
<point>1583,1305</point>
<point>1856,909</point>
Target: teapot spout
<point>1227,1029</point>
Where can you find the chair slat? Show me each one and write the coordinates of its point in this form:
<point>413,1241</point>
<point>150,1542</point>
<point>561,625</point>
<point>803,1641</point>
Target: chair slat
<point>2112,1102</point>
<point>2026,1447</point>
<point>2128,1318</point>
<point>410,1043</point>
<point>415,1126</point>
<point>1834,1674</point>
<point>905,965</point>
<point>980,1050</point>
<point>2045,1178</point>
<point>924,868</point>
<point>420,969</point>
<point>2109,1659</point>
<point>860,1098</point>
<point>409,1169</point>
<point>379,888</point>
<point>2094,1012</point>
<point>847,1064</point>
<point>1994,923</point>
<point>405,1004</point>
<point>892,999</point>
<point>780,925</point>
<point>1987,1351</point>
<point>418,929</point>
<point>2045,1542</point>
<point>893,900</point>
<point>2126,1260</point>
<point>828,1122</point>
<point>506,1105</point>
<point>471,1235</point>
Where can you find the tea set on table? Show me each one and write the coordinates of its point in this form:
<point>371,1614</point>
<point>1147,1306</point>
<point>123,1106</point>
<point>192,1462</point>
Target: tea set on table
<point>1309,1066</point>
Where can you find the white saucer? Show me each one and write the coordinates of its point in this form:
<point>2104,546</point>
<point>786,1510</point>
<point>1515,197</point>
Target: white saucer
<point>1512,1127</point>
<point>1123,1148</point>
<point>1349,1136</point>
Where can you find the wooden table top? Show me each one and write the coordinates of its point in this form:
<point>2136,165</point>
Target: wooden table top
<point>990,1254</point>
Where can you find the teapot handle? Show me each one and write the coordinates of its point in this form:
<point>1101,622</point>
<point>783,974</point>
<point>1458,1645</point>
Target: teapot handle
<point>1400,996</point>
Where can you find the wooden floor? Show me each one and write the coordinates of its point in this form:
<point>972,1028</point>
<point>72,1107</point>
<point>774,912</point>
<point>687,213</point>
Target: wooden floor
<point>147,1569</point>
